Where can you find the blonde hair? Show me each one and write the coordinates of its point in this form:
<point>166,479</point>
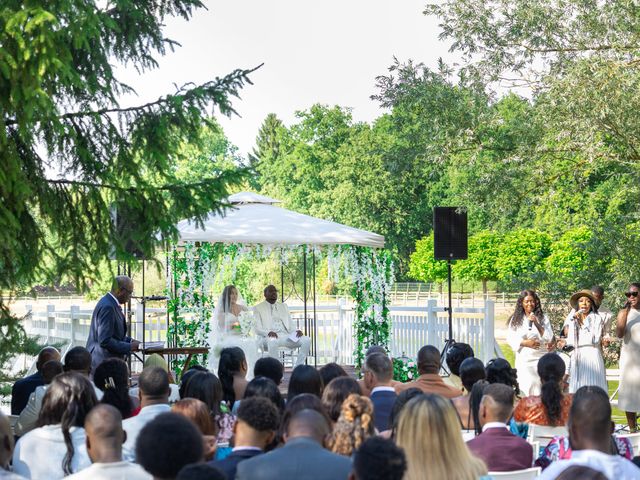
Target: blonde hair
<point>354,425</point>
<point>429,433</point>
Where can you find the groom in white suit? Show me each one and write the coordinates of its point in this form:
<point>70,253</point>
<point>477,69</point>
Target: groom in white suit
<point>273,323</point>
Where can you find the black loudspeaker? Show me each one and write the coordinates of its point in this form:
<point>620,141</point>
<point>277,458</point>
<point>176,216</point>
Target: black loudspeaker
<point>450,233</point>
<point>126,236</point>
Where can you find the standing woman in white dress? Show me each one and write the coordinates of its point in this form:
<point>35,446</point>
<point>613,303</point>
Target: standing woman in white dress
<point>583,330</point>
<point>529,335</point>
<point>628,328</point>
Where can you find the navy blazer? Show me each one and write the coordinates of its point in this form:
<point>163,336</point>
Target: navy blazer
<point>229,464</point>
<point>501,450</point>
<point>382,405</point>
<point>22,389</point>
<point>108,332</point>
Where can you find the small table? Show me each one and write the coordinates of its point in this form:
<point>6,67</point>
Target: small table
<point>188,351</point>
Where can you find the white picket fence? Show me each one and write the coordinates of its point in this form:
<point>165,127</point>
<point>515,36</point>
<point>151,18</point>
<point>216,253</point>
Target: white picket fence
<point>412,327</point>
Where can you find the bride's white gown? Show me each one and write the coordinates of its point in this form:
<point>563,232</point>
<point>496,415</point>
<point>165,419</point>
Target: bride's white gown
<point>230,337</point>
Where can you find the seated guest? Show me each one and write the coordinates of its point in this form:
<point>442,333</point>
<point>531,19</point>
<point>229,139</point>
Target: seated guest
<point>112,377</point>
<point>580,472</point>
<point>103,427</point>
<point>28,418</point>
<point>255,429</point>
<point>457,353</point>
<point>198,412</point>
<point>330,371</point>
<point>232,372</point>
<point>590,429</point>
<point>375,349</point>
<point>269,367</point>
<point>429,434</point>
<point>24,387</point>
<point>471,371</point>
<point>265,387</point>
<point>336,392</point>
<point>378,459</point>
<point>501,450</point>
<point>302,456</point>
<point>402,399</point>
<point>304,379</point>
<point>499,371</point>
<point>205,386</point>
<point>154,399</point>
<point>354,425</point>
<point>60,439</point>
<point>551,408</point>
<point>6,449</point>
<point>429,380</point>
<point>156,360</point>
<point>304,401</point>
<point>378,373</point>
<point>168,443</point>
<point>186,376</point>
<point>201,471</point>
<point>78,359</point>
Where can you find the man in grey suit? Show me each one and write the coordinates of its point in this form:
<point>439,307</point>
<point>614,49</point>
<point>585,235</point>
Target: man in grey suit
<point>303,456</point>
<point>108,332</point>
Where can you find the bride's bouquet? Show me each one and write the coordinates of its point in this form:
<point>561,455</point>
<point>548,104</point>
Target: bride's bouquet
<point>247,321</point>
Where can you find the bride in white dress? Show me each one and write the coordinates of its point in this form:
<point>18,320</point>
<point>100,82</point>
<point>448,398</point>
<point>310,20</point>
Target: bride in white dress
<point>232,327</point>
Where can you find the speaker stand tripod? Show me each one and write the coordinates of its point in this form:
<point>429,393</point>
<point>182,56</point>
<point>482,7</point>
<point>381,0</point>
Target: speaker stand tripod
<point>449,341</point>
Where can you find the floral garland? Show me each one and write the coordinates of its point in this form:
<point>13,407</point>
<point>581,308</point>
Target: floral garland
<point>404,370</point>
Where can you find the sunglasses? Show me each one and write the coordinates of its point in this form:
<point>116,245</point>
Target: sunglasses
<point>630,294</point>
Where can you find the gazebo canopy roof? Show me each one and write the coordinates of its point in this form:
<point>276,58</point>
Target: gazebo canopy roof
<point>254,219</point>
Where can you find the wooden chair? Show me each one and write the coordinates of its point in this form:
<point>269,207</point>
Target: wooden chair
<point>525,474</point>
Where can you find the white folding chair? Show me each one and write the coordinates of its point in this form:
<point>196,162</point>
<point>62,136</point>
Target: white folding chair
<point>536,449</point>
<point>13,419</point>
<point>634,438</point>
<point>543,434</point>
<point>525,474</point>
<point>468,435</point>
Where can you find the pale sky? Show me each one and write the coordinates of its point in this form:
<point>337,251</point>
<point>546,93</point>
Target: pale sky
<point>313,52</point>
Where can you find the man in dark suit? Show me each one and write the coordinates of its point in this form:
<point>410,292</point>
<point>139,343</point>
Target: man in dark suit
<point>378,373</point>
<point>303,455</point>
<point>108,332</point>
<point>500,449</point>
<point>255,428</point>
<point>24,387</point>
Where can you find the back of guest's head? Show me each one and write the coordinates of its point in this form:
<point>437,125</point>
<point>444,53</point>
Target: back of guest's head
<point>379,459</point>
<point>401,400</point>
<point>304,401</point>
<point>46,354</point>
<point>67,401</point>
<point>581,472</point>
<point>589,417</point>
<point>429,434</point>
<point>232,361</point>
<point>201,471</point>
<point>196,411</point>
<point>112,378</point>
<point>186,376</point>
<point>375,349</point>
<point>551,369</point>
<point>103,427</point>
<point>475,397</point>
<point>354,425</point>
<point>6,441</point>
<point>499,371</point>
<point>266,388</point>
<point>206,387</point>
<point>498,399</point>
<point>330,371</point>
<point>428,360</point>
<point>458,353</point>
<point>259,413</point>
<point>155,360</point>
<point>50,370</point>
<point>154,383</point>
<point>471,370</point>
<point>308,423</point>
<point>380,366</point>
<point>77,359</point>
<point>304,379</point>
<point>269,367</point>
<point>335,393</point>
<point>167,443</point>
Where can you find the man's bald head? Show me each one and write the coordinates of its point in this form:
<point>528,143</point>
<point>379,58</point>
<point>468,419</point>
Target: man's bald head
<point>308,423</point>
<point>47,354</point>
<point>428,360</point>
<point>6,441</point>
<point>103,426</point>
<point>122,288</point>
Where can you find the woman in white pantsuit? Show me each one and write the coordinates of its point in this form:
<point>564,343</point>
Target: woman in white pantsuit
<point>628,329</point>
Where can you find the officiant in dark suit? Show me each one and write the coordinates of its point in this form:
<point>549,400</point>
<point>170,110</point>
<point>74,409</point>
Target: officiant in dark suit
<point>108,332</point>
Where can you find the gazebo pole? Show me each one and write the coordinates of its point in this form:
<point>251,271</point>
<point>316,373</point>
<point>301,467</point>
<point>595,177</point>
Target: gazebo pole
<point>304,287</point>
<point>315,355</point>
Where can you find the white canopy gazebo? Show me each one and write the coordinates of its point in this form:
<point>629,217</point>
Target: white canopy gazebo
<point>257,220</point>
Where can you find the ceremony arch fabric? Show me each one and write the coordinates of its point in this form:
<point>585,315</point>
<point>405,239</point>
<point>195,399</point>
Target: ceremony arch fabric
<point>255,226</point>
